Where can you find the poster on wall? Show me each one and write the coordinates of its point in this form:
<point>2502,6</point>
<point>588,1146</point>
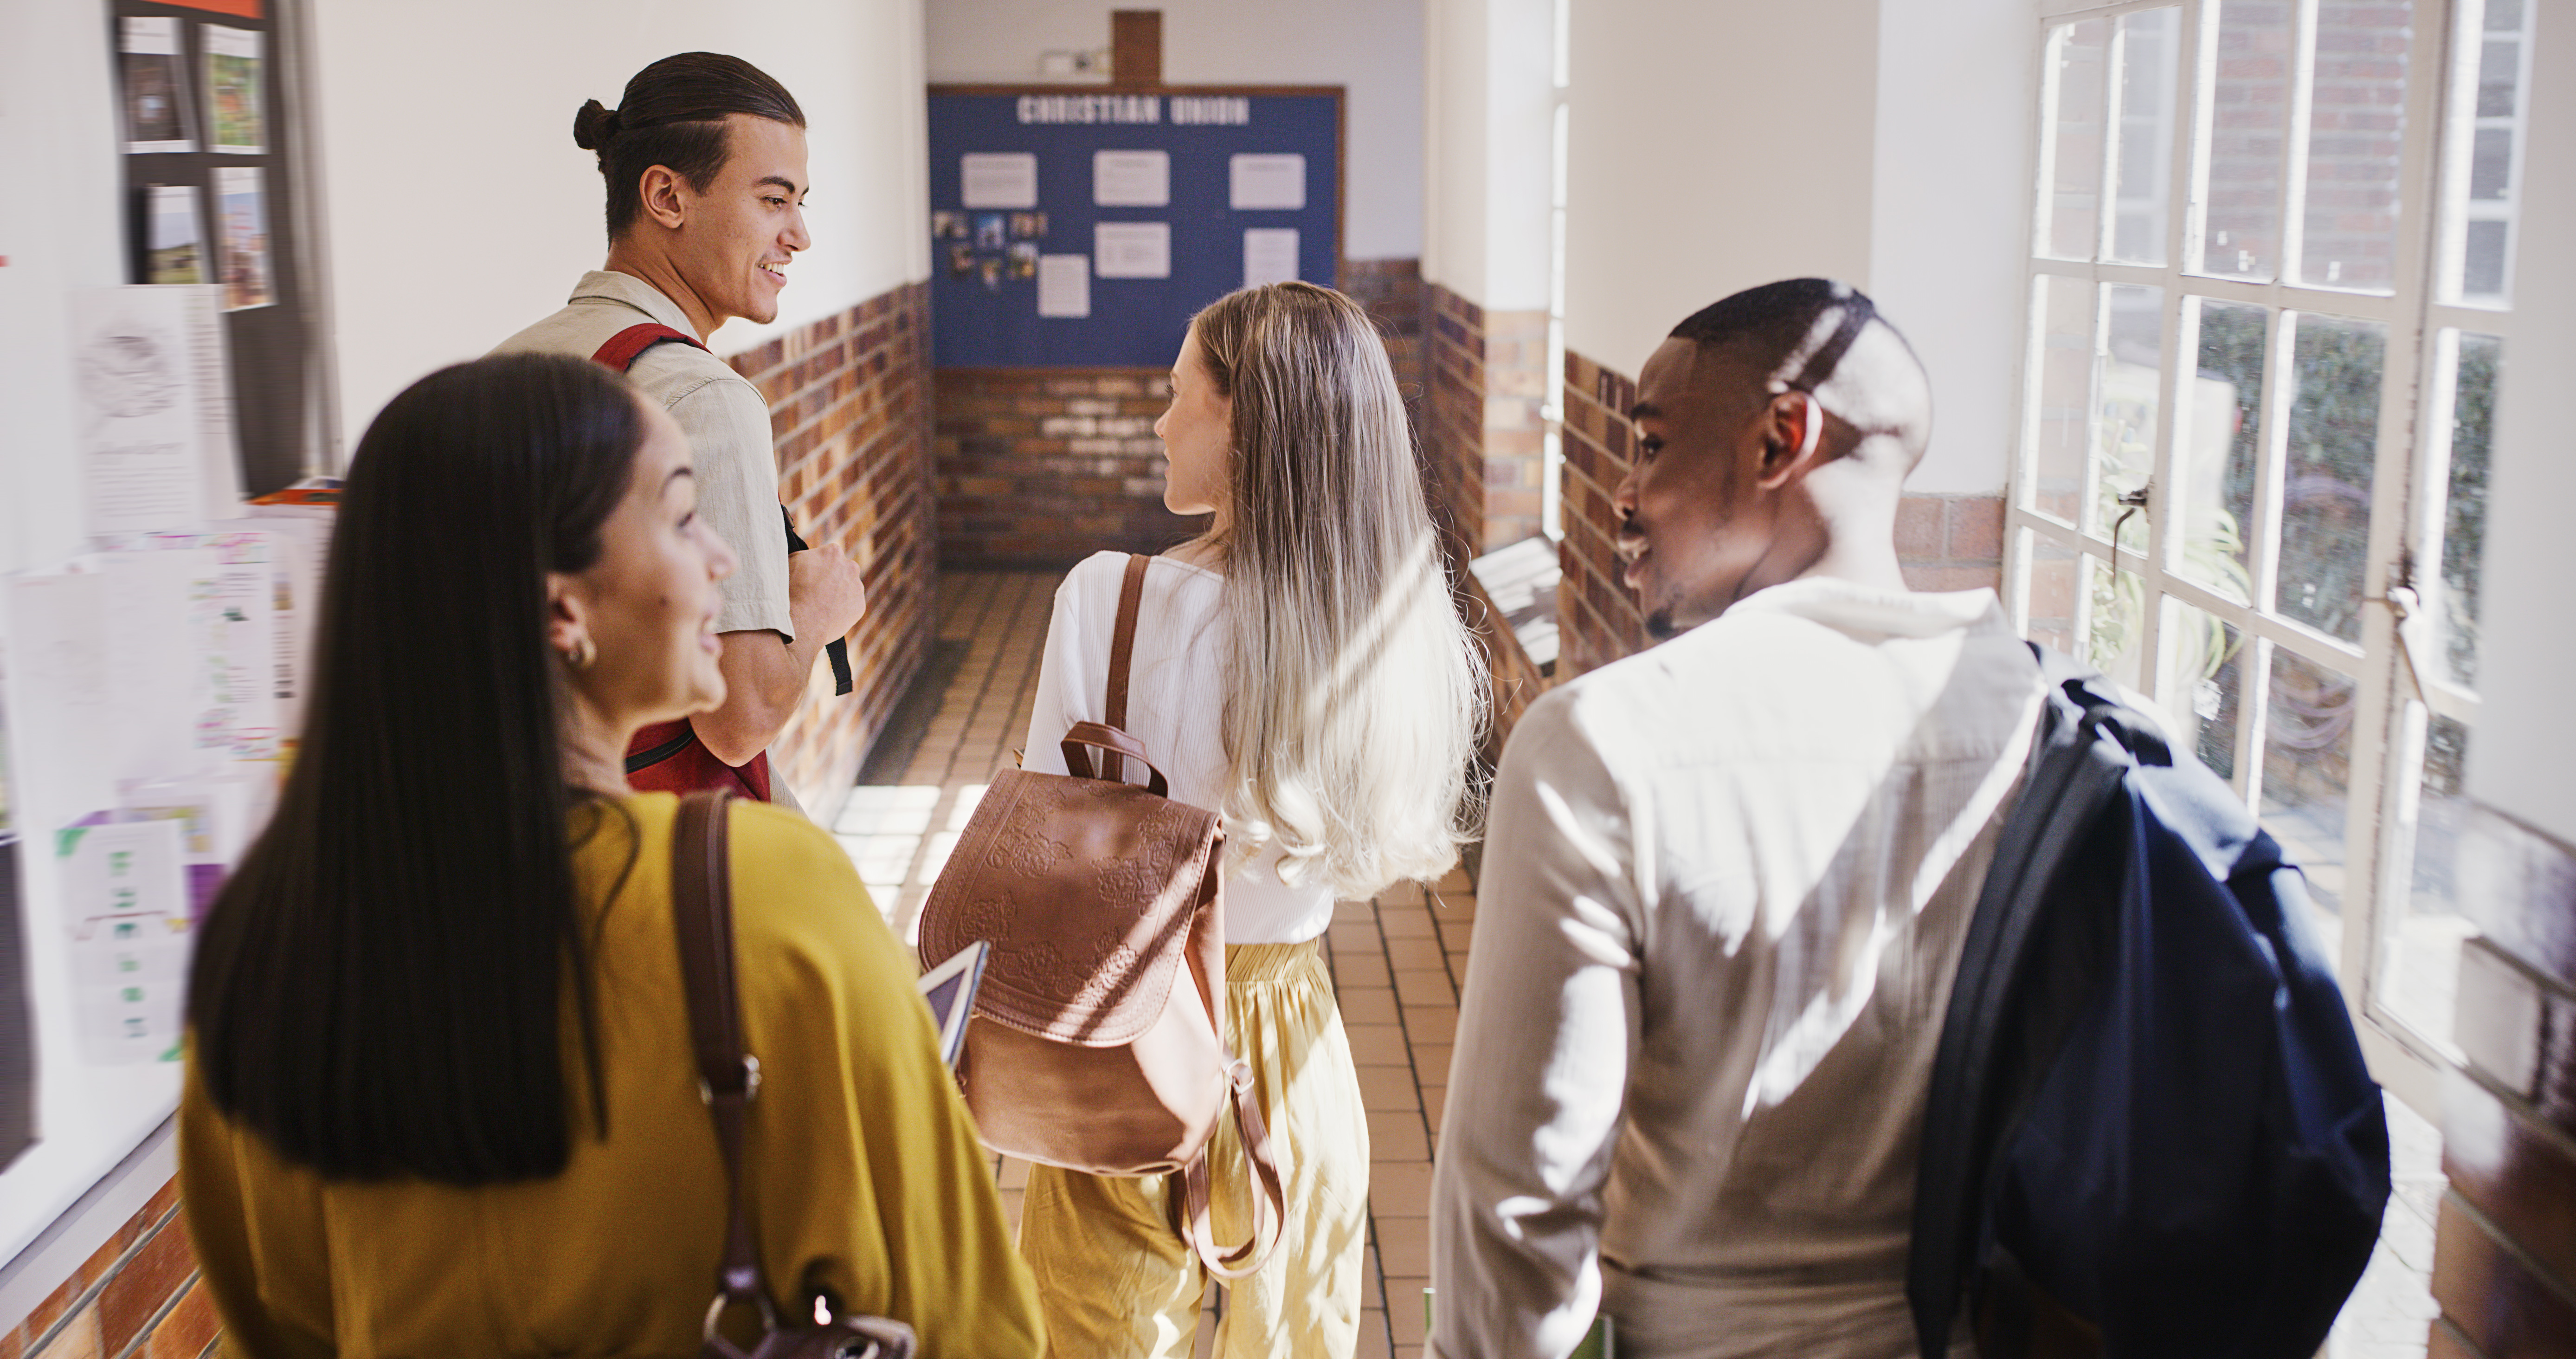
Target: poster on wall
<point>241,205</point>
<point>234,119</point>
<point>155,73</point>
<point>137,366</point>
<point>175,235</point>
<point>125,901</point>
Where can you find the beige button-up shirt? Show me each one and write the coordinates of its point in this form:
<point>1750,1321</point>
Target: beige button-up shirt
<point>1724,890</point>
<point>725,418</point>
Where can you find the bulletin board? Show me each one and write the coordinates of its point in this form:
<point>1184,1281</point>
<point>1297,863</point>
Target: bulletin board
<point>205,114</point>
<point>1081,227</point>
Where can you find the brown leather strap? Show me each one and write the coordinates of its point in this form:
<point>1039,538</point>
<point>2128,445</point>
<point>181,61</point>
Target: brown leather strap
<point>1122,653</point>
<point>1191,1184</point>
<point>728,1077</point>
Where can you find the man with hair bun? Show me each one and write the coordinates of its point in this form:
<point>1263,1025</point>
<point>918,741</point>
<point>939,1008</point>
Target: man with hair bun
<point>704,162</point>
<point>1727,881</point>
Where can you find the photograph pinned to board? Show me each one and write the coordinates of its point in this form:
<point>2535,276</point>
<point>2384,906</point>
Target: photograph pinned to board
<point>961,260</point>
<point>990,268</point>
<point>1024,259</point>
<point>1064,286</point>
<point>241,207</point>
<point>946,225</point>
<point>1269,255</point>
<point>997,179</point>
<point>1132,249</point>
<point>1028,226</point>
<point>175,235</point>
<point>155,74</point>
<point>1266,183</point>
<point>992,231</point>
<point>1131,179</point>
<point>236,119</point>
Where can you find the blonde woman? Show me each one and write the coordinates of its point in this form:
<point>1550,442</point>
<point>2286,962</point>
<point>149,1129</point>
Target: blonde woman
<point>1299,667</point>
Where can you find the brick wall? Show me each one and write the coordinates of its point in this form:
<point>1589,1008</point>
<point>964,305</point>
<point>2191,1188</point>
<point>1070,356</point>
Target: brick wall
<point>848,406</point>
<point>2504,1259</point>
<point>136,1297</point>
<point>1480,422</point>
<point>1943,542</point>
<point>1041,467</point>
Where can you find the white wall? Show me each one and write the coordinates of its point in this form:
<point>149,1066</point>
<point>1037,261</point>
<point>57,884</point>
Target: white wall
<point>1949,217</point>
<point>2522,760</point>
<point>459,209</point>
<point>1715,147</point>
<point>1488,129</point>
<point>1372,46</point>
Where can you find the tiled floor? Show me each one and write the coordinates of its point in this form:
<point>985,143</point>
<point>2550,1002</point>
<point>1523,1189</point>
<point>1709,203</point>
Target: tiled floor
<point>1396,963</point>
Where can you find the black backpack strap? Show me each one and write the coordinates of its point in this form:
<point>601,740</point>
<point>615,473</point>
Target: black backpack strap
<point>2007,1012</point>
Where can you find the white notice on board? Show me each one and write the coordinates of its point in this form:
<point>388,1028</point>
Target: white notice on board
<point>147,433</point>
<point>1131,179</point>
<point>1064,285</point>
<point>1132,249</point>
<point>125,899</point>
<point>998,179</point>
<point>1266,183</point>
<point>1269,255</point>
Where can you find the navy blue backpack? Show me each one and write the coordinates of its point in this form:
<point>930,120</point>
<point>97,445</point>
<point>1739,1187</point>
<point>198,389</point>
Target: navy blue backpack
<point>2150,1131</point>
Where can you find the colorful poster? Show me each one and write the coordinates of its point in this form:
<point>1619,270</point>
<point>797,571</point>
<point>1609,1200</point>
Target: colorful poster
<point>125,899</point>
<point>155,74</point>
<point>241,206</point>
<point>175,244</point>
<point>236,119</point>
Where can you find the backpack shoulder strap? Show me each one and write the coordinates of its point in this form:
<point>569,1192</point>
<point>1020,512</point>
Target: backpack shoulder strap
<point>1122,656</point>
<point>628,345</point>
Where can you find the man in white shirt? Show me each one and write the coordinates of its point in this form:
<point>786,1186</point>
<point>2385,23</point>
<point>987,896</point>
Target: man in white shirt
<point>706,176</point>
<point>1726,881</point>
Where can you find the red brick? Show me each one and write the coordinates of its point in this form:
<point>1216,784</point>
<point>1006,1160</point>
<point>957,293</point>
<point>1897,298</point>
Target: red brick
<point>1919,532</point>
<point>137,1291</point>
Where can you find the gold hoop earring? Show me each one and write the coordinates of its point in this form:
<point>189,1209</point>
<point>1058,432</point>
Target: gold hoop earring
<point>584,651</point>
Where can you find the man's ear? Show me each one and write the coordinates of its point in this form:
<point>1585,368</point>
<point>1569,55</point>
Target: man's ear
<point>666,196</point>
<point>1793,428</point>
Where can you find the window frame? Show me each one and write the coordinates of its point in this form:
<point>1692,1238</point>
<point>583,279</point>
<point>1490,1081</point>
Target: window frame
<point>2410,468</point>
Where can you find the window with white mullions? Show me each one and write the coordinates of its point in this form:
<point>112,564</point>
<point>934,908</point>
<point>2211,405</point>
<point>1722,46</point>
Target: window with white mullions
<point>2270,264</point>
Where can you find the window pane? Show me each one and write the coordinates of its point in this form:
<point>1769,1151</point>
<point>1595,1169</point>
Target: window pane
<point>2325,491</point>
<point>2420,970</point>
<point>2307,766</point>
<point>2125,425</point>
<point>2061,426</point>
<point>2205,663</point>
<point>2056,594</point>
<point>2464,504</point>
<point>2114,635</point>
<point>2357,121</point>
<point>2248,136</point>
<point>2070,192</point>
<point>2485,198</point>
<point>2150,43</point>
<point>2221,449</point>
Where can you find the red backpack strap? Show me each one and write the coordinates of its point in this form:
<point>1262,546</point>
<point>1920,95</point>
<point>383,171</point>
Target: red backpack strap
<point>627,345</point>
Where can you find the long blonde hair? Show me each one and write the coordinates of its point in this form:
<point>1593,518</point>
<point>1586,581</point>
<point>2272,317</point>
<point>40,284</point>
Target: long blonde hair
<point>1354,696</point>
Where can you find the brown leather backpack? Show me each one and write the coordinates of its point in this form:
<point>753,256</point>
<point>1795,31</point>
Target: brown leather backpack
<point>1098,1040</point>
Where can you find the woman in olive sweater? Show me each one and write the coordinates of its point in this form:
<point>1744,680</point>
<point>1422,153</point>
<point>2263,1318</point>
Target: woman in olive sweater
<point>440,1094</point>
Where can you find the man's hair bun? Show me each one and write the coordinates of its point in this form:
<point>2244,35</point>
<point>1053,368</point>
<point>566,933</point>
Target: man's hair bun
<point>594,125</point>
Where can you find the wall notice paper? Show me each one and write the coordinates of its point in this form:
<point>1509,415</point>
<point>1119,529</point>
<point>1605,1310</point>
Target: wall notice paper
<point>1269,256</point>
<point>998,179</point>
<point>241,204</point>
<point>125,901</point>
<point>1064,285</point>
<point>155,75</point>
<point>1132,249</point>
<point>175,240</point>
<point>1131,179</point>
<point>155,415</point>
<point>235,117</point>
<point>1266,182</point>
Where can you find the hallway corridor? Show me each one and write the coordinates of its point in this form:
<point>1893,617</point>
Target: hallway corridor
<point>1396,961</point>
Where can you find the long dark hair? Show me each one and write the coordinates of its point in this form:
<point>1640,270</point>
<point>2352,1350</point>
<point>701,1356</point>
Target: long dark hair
<point>673,114</point>
<point>379,989</point>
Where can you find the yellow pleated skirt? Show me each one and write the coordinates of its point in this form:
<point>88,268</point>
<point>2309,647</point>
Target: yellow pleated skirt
<point>1116,1283</point>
